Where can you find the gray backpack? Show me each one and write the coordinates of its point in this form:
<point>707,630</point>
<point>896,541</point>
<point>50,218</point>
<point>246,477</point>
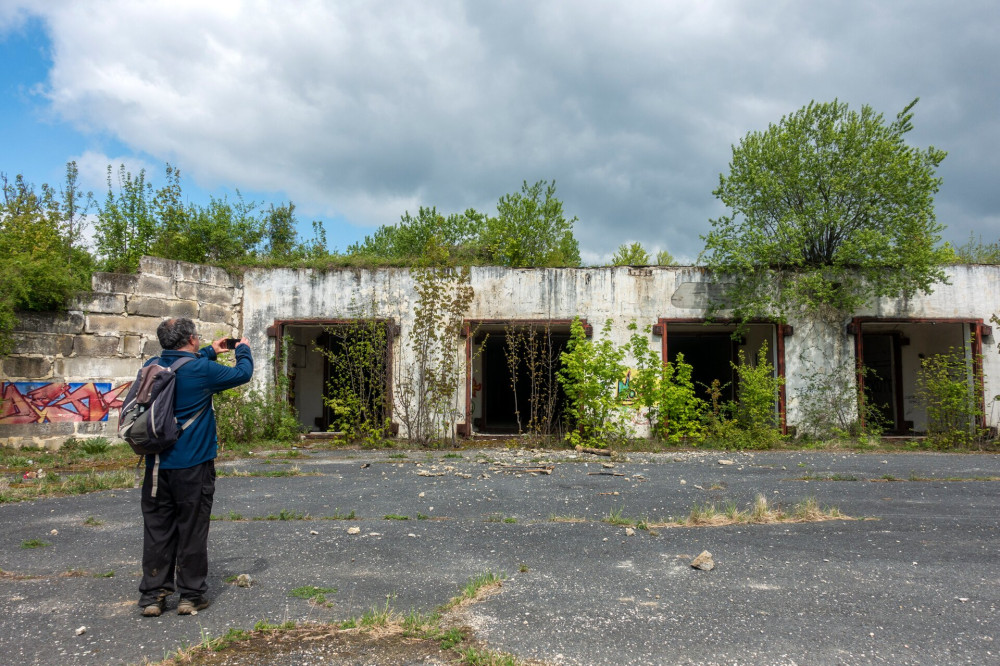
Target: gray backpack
<point>147,420</point>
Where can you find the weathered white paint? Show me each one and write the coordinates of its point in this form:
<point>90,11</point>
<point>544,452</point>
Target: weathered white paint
<point>619,294</point>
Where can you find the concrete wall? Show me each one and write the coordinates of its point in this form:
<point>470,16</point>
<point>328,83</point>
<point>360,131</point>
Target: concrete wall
<point>621,294</point>
<point>100,343</point>
<point>70,370</point>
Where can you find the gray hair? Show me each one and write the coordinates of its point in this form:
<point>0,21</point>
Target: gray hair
<point>175,333</point>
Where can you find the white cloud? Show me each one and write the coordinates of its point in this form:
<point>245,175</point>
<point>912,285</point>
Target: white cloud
<point>92,169</point>
<point>362,110</point>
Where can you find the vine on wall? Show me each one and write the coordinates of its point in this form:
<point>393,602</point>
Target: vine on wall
<point>425,399</point>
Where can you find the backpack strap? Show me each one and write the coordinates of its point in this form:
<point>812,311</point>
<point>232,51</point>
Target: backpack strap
<point>156,474</point>
<point>181,362</point>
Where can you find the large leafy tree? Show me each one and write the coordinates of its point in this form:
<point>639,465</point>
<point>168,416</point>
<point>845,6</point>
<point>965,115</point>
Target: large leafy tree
<point>43,260</point>
<point>829,208</point>
<point>410,241</point>
<point>530,229</point>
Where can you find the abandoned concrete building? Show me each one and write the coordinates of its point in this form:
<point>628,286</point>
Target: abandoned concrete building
<point>69,370</point>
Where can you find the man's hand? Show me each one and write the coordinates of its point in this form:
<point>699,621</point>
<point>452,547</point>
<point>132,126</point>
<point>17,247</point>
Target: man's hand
<point>220,345</point>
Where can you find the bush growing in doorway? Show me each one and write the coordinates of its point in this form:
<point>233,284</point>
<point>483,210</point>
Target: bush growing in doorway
<point>751,421</point>
<point>356,390</point>
<point>589,375</point>
<point>947,389</point>
<point>830,404</point>
<point>675,412</point>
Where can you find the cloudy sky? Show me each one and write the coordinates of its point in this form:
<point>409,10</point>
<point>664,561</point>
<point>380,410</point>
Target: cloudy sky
<point>360,110</point>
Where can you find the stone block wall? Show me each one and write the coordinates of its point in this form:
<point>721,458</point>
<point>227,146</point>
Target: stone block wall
<point>69,370</point>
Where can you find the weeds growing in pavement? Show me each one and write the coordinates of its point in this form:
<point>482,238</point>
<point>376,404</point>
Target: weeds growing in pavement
<point>473,587</point>
<point>760,511</point>
<point>34,543</point>
<point>284,514</point>
<point>410,625</point>
<point>378,617</point>
<point>616,518</point>
<point>828,476</point>
<point>473,656</point>
<point>53,485</point>
<point>337,515</point>
<point>315,595</point>
<point>278,473</point>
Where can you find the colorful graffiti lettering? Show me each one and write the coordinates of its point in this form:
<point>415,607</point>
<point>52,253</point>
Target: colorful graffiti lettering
<point>40,402</point>
<point>626,393</point>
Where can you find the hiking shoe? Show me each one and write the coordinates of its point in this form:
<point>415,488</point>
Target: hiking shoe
<point>192,606</point>
<point>153,610</point>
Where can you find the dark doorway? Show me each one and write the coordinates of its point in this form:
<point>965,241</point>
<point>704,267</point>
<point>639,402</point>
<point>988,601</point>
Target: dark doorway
<point>891,355</point>
<point>710,356</point>
<point>713,349</point>
<point>881,391</point>
<point>517,379</point>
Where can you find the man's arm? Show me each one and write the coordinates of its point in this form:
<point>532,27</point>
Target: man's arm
<point>222,377</point>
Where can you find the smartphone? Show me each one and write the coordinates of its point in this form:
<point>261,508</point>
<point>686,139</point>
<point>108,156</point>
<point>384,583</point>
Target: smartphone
<point>230,343</point>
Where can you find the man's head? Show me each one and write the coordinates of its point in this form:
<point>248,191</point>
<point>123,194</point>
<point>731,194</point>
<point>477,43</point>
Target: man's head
<point>176,333</point>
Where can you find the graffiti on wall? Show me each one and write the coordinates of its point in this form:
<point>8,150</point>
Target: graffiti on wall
<point>58,402</point>
<point>626,391</point>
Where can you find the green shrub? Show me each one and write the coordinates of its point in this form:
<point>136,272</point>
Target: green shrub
<point>589,375</point>
<point>751,421</point>
<point>95,445</point>
<point>949,392</point>
<point>666,391</point>
<point>355,392</point>
<point>830,403</point>
<point>246,415</point>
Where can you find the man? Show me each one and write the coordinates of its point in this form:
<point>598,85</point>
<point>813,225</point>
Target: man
<point>175,521</point>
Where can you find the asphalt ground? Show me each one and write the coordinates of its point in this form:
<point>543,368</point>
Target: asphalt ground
<point>916,582</point>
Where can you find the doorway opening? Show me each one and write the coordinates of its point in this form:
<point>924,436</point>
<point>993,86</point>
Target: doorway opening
<point>712,350</point>
<point>890,355</point>
<point>339,372</point>
<point>513,387</point>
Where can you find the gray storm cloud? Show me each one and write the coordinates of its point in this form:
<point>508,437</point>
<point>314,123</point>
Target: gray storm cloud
<point>365,109</point>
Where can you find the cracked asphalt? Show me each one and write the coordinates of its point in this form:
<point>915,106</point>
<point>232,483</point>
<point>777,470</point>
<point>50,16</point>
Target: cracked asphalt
<point>917,581</point>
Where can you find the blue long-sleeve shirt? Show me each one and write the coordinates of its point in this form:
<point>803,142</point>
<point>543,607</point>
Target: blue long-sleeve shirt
<point>196,383</point>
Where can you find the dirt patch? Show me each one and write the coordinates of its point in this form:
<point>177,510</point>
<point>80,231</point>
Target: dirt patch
<point>342,647</point>
<point>325,644</point>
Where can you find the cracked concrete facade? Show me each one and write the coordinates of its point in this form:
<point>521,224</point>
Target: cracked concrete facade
<point>106,335</point>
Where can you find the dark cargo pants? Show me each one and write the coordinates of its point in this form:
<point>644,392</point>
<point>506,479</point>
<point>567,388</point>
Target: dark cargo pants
<point>175,532</point>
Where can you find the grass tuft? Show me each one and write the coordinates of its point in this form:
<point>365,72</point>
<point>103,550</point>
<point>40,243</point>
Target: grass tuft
<point>337,515</point>
<point>34,543</point>
<point>284,514</point>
